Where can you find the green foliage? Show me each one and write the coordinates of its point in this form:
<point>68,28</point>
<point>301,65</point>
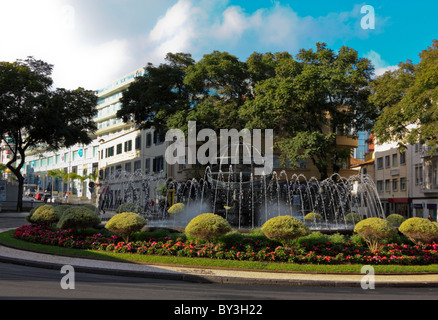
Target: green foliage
<point>129,207</point>
<point>59,210</point>
<point>408,96</point>
<point>53,118</point>
<point>284,228</point>
<point>78,218</point>
<point>207,226</point>
<point>420,231</point>
<point>353,217</point>
<point>28,218</point>
<point>374,231</point>
<point>125,223</point>
<point>44,214</point>
<point>395,219</point>
<point>313,216</point>
<point>90,207</point>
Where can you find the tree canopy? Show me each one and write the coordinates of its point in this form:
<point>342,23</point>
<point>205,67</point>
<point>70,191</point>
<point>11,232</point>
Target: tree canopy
<point>307,99</point>
<point>34,115</point>
<point>407,99</point>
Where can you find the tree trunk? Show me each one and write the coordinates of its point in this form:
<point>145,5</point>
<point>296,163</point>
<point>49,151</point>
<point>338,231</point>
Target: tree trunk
<point>20,192</point>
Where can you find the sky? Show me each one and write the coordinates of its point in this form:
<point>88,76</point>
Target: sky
<point>92,43</point>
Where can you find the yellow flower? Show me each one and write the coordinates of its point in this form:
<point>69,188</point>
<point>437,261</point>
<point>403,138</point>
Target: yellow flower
<point>227,207</point>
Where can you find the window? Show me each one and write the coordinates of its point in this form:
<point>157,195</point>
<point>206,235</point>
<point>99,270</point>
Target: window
<point>138,143</point>
<point>119,148</point>
<point>128,167</point>
<point>394,184</point>
<point>158,164</point>
<point>403,157</point>
<point>128,145</point>
<point>379,163</point>
<point>387,162</point>
<point>380,186</point>
<point>388,185</point>
<point>157,139</point>
<point>137,165</point>
<point>418,174</point>
<point>109,152</point>
<point>395,160</point>
<point>148,140</point>
<point>148,165</point>
<point>403,184</point>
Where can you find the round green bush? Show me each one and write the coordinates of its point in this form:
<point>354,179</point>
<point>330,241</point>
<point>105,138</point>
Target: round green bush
<point>44,214</point>
<point>284,228</point>
<point>313,216</point>
<point>125,223</point>
<point>59,210</point>
<point>353,217</point>
<point>28,218</point>
<point>395,219</point>
<point>374,231</point>
<point>129,207</point>
<point>207,226</point>
<point>419,230</point>
<point>78,218</point>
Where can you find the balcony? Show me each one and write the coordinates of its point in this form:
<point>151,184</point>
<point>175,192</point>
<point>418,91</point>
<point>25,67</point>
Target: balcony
<point>347,141</point>
<point>429,188</point>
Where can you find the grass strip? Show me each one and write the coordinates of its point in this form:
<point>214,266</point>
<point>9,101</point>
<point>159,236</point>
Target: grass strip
<point>7,239</point>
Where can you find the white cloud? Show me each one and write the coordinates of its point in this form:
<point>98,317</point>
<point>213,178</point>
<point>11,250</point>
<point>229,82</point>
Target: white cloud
<point>380,65</point>
<point>46,29</point>
<point>197,26</point>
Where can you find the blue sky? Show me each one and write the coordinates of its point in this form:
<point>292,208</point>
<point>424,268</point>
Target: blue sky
<point>93,42</point>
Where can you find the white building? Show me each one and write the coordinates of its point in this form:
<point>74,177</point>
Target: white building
<point>116,147</point>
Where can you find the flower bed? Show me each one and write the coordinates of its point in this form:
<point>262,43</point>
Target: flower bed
<point>241,248</point>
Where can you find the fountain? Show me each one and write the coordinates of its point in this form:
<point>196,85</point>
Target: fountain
<point>245,200</point>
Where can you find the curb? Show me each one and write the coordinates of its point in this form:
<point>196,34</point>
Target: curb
<point>233,278</point>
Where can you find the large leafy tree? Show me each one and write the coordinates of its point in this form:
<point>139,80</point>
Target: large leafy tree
<point>159,94</point>
<point>33,115</point>
<point>408,100</point>
<point>310,100</point>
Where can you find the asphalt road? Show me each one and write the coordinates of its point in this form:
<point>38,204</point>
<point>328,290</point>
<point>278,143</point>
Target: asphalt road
<point>22,283</point>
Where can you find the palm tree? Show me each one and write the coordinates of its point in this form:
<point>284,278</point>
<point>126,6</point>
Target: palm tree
<point>55,173</point>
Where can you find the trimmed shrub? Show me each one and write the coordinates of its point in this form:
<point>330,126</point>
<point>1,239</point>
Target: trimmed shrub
<point>129,207</point>
<point>395,219</point>
<point>313,216</point>
<point>420,231</point>
<point>176,208</point>
<point>207,226</point>
<point>284,228</point>
<point>44,214</point>
<point>32,211</point>
<point>90,207</point>
<point>125,223</point>
<point>353,217</point>
<point>78,218</point>
<point>374,231</point>
<point>59,210</point>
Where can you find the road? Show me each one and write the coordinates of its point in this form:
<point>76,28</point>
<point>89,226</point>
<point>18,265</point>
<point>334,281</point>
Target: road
<point>23,282</point>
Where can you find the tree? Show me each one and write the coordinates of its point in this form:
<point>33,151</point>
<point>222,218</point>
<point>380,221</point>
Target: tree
<point>407,99</point>
<point>157,95</point>
<point>33,115</point>
<point>310,100</point>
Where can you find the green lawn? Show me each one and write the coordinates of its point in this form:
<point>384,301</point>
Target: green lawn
<point>7,239</point>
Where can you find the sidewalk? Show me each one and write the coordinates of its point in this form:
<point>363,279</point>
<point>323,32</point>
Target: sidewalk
<point>205,275</point>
